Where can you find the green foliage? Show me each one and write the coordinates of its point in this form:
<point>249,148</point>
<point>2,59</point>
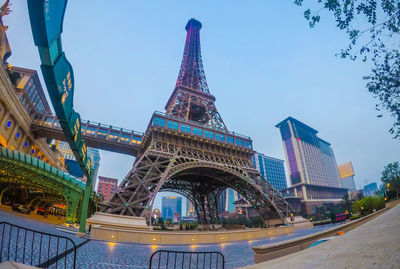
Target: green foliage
<point>346,204</point>
<point>373,29</point>
<point>360,195</point>
<point>391,175</point>
<point>160,221</point>
<point>366,205</point>
<point>355,217</point>
<point>253,222</point>
<point>323,222</point>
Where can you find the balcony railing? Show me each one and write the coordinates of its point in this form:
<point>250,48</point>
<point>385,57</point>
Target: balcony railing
<point>94,129</point>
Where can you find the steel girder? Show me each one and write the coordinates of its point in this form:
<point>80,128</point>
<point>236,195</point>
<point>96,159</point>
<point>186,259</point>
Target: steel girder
<point>197,107</point>
<point>197,174</point>
<point>201,190</point>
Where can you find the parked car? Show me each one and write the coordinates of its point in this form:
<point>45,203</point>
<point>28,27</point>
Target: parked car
<point>21,209</point>
<point>342,217</point>
<point>40,211</point>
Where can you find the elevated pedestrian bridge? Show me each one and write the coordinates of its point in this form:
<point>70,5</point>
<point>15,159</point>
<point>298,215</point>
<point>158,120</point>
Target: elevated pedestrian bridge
<point>96,135</point>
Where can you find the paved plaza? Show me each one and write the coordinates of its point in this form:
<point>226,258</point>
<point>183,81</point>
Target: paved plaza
<point>374,244</point>
<point>99,254</point>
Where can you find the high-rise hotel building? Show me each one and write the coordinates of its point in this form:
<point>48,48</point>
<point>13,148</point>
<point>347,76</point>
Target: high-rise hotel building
<point>312,167</point>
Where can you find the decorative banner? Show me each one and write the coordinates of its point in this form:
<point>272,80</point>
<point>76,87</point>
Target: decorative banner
<point>46,18</point>
<point>60,85</point>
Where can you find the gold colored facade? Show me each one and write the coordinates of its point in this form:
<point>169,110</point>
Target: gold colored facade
<point>346,170</point>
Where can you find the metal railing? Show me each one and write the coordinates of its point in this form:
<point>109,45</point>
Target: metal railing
<point>93,129</point>
<point>36,248</point>
<point>168,259</point>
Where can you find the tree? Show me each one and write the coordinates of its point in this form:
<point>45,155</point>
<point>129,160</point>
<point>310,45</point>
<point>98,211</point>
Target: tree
<point>360,195</point>
<point>391,175</point>
<point>346,204</point>
<point>161,222</point>
<point>373,29</point>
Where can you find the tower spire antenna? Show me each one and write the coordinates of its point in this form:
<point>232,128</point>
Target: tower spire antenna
<point>191,98</point>
<point>191,74</point>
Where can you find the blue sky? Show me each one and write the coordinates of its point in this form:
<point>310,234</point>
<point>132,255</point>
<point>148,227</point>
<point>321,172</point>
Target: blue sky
<point>262,62</point>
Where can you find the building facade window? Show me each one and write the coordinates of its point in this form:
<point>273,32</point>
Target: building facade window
<point>159,122</point>
<point>197,131</point>
<point>209,134</point>
<point>248,144</point>
<point>186,128</point>
<point>230,139</point>
<point>220,137</point>
<point>173,125</point>
<point>239,142</point>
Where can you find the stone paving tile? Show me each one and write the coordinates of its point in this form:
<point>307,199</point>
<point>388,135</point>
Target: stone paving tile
<point>100,254</point>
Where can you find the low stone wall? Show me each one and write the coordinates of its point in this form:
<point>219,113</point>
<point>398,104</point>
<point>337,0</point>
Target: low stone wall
<point>276,250</point>
<point>114,234</point>
<point>392,203</point>
<point>118,221</point>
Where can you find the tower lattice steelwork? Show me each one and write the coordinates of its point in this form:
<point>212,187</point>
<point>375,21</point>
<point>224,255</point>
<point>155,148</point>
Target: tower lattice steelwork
<point>190,151</point>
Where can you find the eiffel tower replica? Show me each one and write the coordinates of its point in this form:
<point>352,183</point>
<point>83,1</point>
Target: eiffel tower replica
<point>189,150</point>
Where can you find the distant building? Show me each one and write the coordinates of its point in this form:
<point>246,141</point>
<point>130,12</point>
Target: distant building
<point>346,174</point>
<point>227,199</point>
<point>222,202</point>
<point>73,166</point>
<point>107,186</point>
<point>177,217</point>
<point>189,209</point>
<point>171,205</point>
<point>355,194</point>
<point>156,213</point>
<point>313,172</point>
<point>370,189</point>
<point>94,155</point>
<point>189,219</point>
<point>271,169</point>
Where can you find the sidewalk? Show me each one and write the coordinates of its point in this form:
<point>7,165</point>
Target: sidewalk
<point>50,218</point>
<point>375,244</point>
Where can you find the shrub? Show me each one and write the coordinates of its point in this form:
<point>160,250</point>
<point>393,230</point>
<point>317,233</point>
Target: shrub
<point>317,223</point>
<point>355,217</point>
<point>366,205</point>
